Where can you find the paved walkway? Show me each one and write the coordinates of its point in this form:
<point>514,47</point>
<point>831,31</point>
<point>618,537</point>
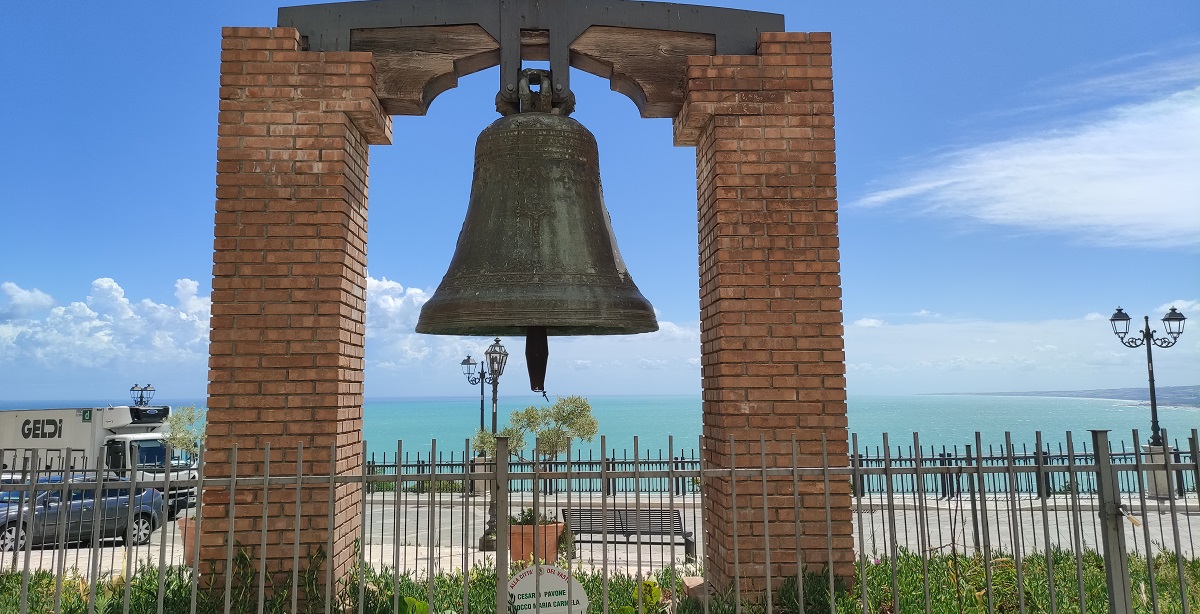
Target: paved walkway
<point>403,536</point>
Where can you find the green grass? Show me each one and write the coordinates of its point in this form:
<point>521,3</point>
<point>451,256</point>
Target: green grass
<point>957,584</point>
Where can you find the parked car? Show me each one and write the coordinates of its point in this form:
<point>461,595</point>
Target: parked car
<point>76,512</point>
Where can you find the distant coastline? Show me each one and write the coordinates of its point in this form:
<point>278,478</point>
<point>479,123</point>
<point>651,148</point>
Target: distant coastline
<point>1176,396</point>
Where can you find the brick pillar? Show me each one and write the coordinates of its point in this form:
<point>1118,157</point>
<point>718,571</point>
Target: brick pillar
<point>289,290</point>
<point>770,298</point>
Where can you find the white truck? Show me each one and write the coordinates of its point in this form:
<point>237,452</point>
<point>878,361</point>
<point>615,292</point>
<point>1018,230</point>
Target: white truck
<point>65,440</point>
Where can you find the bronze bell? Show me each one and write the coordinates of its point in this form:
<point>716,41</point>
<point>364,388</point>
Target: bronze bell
<point>536,254</point>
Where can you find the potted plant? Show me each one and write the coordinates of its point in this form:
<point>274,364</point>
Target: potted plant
<point>553,427</point>
<point>521,534</point>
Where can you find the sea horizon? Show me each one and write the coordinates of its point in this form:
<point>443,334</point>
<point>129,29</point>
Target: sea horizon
<point>671,424</point>
<point>1116,394</point>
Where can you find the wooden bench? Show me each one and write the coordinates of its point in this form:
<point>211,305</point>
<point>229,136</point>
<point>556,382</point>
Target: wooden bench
<point>662,527</point>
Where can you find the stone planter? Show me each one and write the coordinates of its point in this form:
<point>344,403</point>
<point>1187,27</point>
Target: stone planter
<point>1158,481</point>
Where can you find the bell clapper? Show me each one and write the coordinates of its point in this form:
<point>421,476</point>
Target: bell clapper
<point>537,354</point>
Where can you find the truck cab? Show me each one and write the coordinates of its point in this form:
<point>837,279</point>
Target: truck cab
<point>144,455</point>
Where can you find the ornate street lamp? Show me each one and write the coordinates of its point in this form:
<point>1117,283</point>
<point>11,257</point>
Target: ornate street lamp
<point>141,395</point>
<point>1173,322</point>
<point>496,357</point>
<point>468,368</point>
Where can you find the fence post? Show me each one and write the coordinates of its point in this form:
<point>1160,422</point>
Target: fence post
<point>1044,487</point>
<point>1179,482</point>
<point>1194,448</point>
<point>944,482</point>
<point>860,481</point>
<point>471,466</point>
<point>500,499</point>
<point>609,485</point>
<point>1116,557</point>
<point>971,480</point>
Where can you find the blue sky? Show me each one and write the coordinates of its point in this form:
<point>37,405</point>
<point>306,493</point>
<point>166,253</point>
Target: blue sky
<point>1009,173</point>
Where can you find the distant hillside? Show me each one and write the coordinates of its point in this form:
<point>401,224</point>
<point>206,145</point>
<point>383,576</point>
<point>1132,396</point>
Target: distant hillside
<point>1181,396</point>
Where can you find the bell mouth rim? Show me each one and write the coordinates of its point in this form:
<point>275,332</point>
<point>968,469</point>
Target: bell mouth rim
<point>520,331</point>
<point>559,321</point>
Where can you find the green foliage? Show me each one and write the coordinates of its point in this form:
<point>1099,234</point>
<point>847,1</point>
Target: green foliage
<point>959,584</point>
<point>423,486</point>
<point>529,516</point>
<point>816,592</point>
<point>185,428</point>
<point>566,543</point>
<point>956,584</point>
<point>553,427</point>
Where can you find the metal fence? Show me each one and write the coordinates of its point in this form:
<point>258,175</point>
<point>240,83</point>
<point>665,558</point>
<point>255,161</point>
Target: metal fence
<point>943,482</point>
<point>986,530</point>
<point>615,462</point>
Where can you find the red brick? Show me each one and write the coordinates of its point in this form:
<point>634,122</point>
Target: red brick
<point>770,301</point>
<point>265,369</point>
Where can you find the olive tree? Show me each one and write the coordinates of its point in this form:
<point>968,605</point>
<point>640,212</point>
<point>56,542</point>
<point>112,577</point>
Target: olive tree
<point>185,428</point>
<point>553,427</point>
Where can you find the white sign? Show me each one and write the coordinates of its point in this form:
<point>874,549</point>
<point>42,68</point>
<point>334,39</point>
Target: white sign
<point>542,589</point>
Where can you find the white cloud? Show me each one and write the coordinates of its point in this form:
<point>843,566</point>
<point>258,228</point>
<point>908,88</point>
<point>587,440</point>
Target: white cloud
<point>190,302</point>
<point>109,336</point>
<point>1147,74</point>
<point>392,312</point>
<point>1185,307</point>
<point>670,331</point>
<point>22,302</point>
<point>1127,177</point>
<point>983,356</point>
<point>91,348</point>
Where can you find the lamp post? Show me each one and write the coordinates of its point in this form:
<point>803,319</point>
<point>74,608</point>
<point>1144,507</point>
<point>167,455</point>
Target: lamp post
<point>496,357</point>
<point>1173,322</point>
<point>141,395</point>
<point>468,368</point>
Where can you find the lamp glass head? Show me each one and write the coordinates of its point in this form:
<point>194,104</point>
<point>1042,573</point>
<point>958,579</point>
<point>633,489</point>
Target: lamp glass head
<point>497,356</point>
<point>1173,322</point>
<point>468,366</point>
<point>1120,323</point>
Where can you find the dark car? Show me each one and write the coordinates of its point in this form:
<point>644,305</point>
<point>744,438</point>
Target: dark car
<point>78,511</point>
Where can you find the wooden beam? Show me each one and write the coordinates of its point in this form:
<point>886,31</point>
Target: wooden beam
<point>415,64</point>
<point>648,66</point>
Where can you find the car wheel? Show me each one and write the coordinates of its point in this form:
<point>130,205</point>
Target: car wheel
<point>12,537</point>
<point>139,532</point>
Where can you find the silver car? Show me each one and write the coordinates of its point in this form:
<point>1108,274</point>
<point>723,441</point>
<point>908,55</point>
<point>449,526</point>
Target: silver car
<point>76,512</point>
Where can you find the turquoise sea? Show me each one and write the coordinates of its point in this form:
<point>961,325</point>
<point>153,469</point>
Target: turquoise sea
<point>658,421</point>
